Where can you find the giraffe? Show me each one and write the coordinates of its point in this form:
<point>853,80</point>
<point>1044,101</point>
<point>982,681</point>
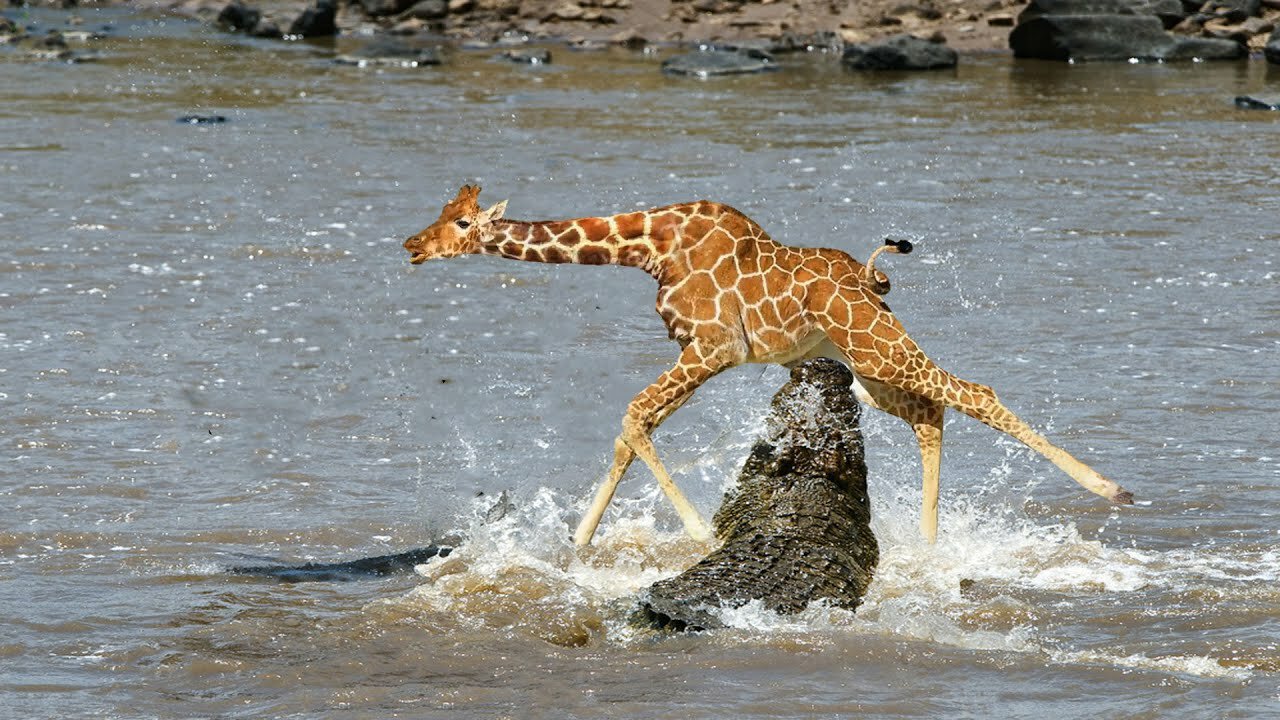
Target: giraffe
<point>728,294</point>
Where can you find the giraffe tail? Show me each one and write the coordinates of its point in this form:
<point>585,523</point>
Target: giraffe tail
<point>876,280</point>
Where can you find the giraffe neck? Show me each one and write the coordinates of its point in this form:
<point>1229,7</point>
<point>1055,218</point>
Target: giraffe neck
<point>614,240</point>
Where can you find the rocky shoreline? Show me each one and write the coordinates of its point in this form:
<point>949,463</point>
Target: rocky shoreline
<point>1053,29</point>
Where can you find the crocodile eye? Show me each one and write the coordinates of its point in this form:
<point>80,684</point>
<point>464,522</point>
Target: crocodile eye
<point>463,224</point>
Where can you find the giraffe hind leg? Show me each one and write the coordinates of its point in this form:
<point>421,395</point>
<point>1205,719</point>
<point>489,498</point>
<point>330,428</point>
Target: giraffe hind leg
<point>921,413</point>
<point>980,403</point>
<point>883,352</point>
<point>925,418</point>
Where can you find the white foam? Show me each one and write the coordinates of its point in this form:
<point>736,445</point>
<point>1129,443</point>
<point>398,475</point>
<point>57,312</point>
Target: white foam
<point>917,595</point>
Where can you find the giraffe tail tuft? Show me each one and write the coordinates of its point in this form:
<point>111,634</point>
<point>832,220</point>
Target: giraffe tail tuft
<point>876,280</point>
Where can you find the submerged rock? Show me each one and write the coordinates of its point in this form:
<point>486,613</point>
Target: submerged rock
<point>527,56</point>
<point>720,61</point>
<point>797,528</point>
<point>901,52</point>
<point>391,51</point>
<point>50,47</point>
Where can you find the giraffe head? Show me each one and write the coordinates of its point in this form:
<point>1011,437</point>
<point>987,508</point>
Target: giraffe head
<point>460,229</point>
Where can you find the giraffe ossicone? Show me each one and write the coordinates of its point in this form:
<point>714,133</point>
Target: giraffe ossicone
<point>728,294</point>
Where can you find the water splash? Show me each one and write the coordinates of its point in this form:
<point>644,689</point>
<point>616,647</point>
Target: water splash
<point>995,582</point>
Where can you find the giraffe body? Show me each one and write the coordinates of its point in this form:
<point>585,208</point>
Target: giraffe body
<point>729,294</point>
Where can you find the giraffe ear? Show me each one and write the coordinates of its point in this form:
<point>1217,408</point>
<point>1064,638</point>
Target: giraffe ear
<point>494,212</point>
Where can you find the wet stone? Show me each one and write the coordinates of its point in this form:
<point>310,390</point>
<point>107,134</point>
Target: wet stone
<point>527,56</point>
<point>901,52</point>
<point>319,20</point>
<point>720,61</point>
<point>1112,30</point>
<point>389,52</point>
<point>428,10</point>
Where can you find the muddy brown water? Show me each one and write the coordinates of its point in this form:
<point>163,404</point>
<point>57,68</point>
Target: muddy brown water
<point>213,352</point>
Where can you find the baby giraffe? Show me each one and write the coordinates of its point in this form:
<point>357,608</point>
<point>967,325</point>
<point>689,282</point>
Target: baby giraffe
<point>728,295</point>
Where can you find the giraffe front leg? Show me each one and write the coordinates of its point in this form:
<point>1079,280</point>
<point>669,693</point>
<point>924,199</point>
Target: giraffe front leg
<point>641,444</point>
<point>652,406</point>
<point>622,457</point>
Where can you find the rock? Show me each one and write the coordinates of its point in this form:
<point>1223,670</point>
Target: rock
<point>238,17</point>
<point>1113,37</point>
<point>50,47</point>
<point>1170,12</point>
<point>567,10</point>
<point>630,39</point>
<point>1245,102</point>
<point>319,20</point>
<point>382,8</point>
<point>1272,49</point>
<point>1234,11</point>
<point>812,42</point>
<point>1257,26</point>
<point>267,28</point>
<point>797,528</point>
<point>428,10</point>
<point>720,61</point>
<point>389,51</point>
<point>900,52</point>
<point>581,44</point>
<point>527,56</point>
<point>10,29</point>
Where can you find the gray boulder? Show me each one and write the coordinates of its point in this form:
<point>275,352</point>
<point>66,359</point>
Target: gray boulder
<point>901,52</point>
<point>1109,30</point>
<point>1170,12</point>
<point>720,61</point>
<point>797,528</point>
<point>1272,50</point>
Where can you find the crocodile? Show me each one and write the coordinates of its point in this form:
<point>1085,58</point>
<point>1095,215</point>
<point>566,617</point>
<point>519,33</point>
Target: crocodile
<point>797,526</point>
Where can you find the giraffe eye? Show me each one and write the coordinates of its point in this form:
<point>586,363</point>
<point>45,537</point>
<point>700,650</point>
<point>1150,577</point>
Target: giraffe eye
<point>463,224</point>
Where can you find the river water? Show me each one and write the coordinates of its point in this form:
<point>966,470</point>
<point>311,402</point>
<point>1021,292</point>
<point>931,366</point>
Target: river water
<point>213,351</point>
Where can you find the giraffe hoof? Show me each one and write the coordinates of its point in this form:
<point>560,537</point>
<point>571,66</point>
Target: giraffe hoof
<point>1124,497</point>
